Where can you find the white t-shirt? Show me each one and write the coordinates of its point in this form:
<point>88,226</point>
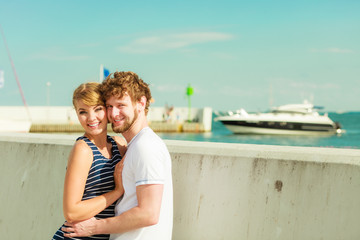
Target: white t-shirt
<point>147,161</point>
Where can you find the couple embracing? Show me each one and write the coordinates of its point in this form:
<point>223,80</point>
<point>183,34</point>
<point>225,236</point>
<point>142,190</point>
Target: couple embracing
<point>112,186</point>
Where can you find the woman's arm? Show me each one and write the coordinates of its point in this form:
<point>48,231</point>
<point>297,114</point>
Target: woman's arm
<point>78,167</point>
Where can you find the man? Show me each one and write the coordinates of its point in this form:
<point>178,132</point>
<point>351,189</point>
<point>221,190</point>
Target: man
<point>146,209</point>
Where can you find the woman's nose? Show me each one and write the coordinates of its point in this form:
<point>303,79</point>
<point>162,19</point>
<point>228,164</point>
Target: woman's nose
<point>92,116</point>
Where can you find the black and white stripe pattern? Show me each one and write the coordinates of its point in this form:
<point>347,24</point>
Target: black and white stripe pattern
<point>100,180</point>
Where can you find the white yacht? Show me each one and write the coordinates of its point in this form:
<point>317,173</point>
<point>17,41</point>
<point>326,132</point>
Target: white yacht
<point>291,119</point>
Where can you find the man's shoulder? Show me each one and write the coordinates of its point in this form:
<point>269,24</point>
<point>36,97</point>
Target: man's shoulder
<point>148,141</point>
<point>148,136</point>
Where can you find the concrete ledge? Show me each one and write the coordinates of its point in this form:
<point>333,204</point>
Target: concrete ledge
<point>64,119</point>
<point>55,128</point>
<point>156,126</point>
<point>221,191</point>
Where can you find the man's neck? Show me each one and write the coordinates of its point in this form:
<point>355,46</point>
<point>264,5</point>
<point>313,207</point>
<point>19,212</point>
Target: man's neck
<point>139,124</point>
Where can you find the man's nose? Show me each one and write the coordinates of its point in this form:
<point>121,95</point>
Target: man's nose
<point>114,112</point>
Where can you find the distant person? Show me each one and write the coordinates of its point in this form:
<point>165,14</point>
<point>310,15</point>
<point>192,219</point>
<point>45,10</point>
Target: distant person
<point>146,209</point>
<point>89,188</point>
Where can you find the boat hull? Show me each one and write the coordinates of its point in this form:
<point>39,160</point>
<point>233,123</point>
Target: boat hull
<point>291,119</point>
<point>242,127</point>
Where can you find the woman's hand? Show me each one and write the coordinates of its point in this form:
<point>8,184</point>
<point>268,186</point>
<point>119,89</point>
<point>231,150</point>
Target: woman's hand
<point>118,176</point>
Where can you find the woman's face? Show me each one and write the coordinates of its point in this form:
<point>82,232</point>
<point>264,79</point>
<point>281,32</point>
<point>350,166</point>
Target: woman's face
<point>92,118</point>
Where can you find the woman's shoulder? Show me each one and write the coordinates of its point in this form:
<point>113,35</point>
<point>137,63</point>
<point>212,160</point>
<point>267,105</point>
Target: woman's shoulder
<point>81,146</point>
<point>80,153</point>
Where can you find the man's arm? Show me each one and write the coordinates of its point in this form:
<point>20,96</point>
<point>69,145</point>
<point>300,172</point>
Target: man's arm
<point>145,214</point>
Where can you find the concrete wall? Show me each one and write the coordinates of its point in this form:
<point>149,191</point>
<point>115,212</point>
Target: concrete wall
<point>67,114</point>
<point>42,117</point>
<point>40,114</point>
<point>221,191</point>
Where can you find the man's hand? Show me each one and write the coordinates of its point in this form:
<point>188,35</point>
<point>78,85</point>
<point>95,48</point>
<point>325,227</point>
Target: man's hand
<point>118,176</point>
<point>81,229</point>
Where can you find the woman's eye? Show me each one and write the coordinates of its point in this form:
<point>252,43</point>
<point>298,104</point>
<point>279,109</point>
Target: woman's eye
<point>82,112</point>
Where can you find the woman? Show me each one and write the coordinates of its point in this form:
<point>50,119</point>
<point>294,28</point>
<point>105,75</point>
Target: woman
<point>89,188</point>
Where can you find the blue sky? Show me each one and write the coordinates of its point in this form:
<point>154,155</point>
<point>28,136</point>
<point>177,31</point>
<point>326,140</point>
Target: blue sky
<point>235,54</point>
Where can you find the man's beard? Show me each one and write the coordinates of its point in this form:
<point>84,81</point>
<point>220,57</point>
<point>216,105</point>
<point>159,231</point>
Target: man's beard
<point>127,124</point>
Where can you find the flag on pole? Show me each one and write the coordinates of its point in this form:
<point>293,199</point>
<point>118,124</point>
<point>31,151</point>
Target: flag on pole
<point>104,72</point>
<point>1,78</point>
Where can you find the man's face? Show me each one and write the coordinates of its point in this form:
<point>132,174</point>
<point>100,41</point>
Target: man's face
<point>121,113</point>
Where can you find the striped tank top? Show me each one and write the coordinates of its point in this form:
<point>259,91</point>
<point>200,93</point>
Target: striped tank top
<point>100,180</point>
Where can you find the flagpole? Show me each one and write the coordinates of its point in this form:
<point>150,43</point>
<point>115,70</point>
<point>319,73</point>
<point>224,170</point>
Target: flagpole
<point>1,78</point>
<point>101,76</point>
<point>16,77</point>
<point>189,92</point>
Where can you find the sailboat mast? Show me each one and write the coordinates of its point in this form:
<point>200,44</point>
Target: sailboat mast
<point>101,75</point>
<point>16,76</point>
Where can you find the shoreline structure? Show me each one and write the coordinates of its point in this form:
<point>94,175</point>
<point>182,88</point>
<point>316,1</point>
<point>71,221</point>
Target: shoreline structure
<point>221,190</point>
<point>63,119</point>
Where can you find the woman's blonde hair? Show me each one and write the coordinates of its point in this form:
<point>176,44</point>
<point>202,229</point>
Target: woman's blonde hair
<point>89,93</point>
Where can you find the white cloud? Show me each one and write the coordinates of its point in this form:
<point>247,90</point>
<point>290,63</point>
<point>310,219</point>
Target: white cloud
<point>278,83</point>
<point>167,87</point>
<point>332,50</point>
<point>152,44</point>
<point>309,85</point>
<point>236,91</point>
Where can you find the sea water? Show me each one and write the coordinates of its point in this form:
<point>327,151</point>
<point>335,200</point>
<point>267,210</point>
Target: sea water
<point>349,121</point>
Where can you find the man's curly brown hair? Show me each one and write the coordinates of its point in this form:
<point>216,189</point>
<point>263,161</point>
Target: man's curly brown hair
<point>118,83</point>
